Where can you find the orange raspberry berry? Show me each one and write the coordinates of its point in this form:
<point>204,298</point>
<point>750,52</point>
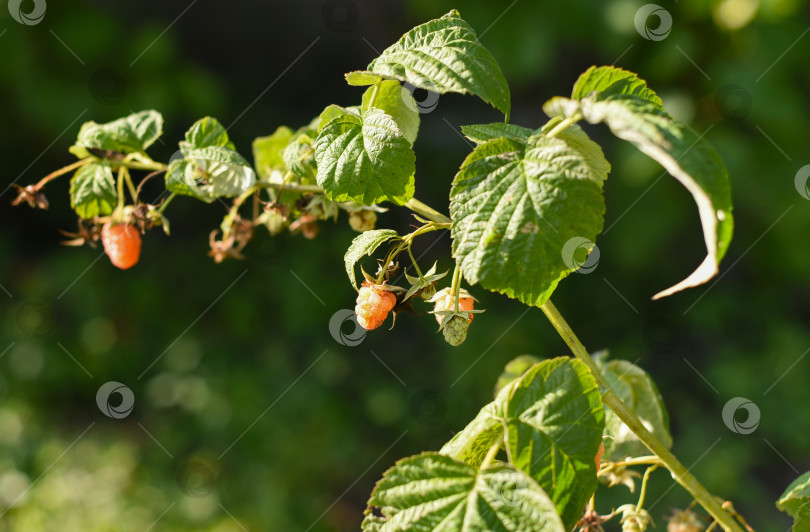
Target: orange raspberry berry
<point>373,304</point>
<point>122,243</point>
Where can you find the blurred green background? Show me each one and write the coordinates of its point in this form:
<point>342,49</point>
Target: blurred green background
<point>248,414</point>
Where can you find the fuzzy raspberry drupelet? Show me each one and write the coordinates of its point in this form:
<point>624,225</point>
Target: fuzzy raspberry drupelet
<point>373,304</point>
<point>444,301</point>
<point>122,243</point>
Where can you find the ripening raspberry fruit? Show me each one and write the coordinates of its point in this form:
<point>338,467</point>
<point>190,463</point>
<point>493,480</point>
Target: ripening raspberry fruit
<point>363,220</point>
<point>684,521</point>
<point>444,301</point>
<point>122,243</point>
<point>374,303</point>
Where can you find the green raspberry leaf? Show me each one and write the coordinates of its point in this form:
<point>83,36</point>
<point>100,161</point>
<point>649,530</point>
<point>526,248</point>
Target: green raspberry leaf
<point>361,78</point>
<point>802,523</point>
<point>480,133</point>
<point>333,111</point>
<point>443,55</point>
<point>472,444</point>
<point>514,369</point>
<point>365,159</point>
<point>398,102</point>
<point>638,391</point>
<point>92,190</point>
<point>209,173</point>
<point>515,206</point>
<point>687,157</point>
<point>796,495</point>
<point>365,244</point>
<point>131,134</point>
<point>431,492</point>
<point>554,421</point>
<point>607,81</point>
<point>206,132</point>
<point>299,158</point>
<point>210,168</point>
<point>268,152</point>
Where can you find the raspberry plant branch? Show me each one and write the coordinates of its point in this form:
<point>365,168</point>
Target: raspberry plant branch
<point>526,206</point>
<point>609,397</point>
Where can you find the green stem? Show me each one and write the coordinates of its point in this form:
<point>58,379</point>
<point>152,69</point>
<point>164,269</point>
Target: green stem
<point>681,475</point>
<point>134,165</point>
<point>415,265</point>
<point>227,222</point>
<point>166,203</point>
<point>643,492</point>
<point>455,288</point>
<point>293,187</point>
<point>427,212</point>
<point>413,204</point>
<point>62,171</point>
<point>374,93</point>
<point>491,454</point>
<point>130,185</point>
<point>641,460</point>
<point>564,124</point>
<point>119,208</point>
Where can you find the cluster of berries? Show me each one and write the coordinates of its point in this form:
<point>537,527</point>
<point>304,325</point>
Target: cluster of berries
<point>375,301</point>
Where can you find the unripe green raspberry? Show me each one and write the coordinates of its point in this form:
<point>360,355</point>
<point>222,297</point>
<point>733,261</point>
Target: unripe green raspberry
<point>455,330</point>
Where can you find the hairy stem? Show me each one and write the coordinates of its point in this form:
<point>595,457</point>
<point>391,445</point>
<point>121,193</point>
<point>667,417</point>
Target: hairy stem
<point>564,124</point>
<point>62,171</point>
<point>643,492</point>
<point>681,475</point>
<point>426,211</point>
<point>491,454</point>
